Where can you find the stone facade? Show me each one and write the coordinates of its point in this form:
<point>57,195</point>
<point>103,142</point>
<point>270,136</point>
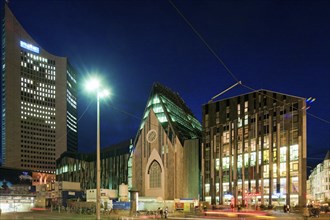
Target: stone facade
<point>319,181</point>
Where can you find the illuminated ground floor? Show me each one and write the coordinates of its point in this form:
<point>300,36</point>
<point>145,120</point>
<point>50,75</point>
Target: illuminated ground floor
<point>275,194</point>
<point>16,203</point>
<point>252,200</point>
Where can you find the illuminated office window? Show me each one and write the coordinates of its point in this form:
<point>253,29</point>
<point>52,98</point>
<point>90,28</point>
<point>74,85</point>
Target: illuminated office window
<point>283,154</point>
<point>294,152</point>
<point>239,161</point>
<point>253,159</point>
<point>217,163</point>
<point>225,162</point>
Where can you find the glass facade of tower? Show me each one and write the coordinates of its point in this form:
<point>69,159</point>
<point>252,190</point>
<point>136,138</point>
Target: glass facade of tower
<point>116,167</point>
<point>254,150</point>
<point>72,126</point>
<point>39,101</point>
<point>3,91</point>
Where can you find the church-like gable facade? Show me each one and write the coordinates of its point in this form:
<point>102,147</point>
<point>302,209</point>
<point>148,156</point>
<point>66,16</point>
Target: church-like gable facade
<point>167,148</point>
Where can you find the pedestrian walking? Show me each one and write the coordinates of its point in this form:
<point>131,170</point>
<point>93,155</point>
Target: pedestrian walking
<point>166,212</point>
<point>306,213</point>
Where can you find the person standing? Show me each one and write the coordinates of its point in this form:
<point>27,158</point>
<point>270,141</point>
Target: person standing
<point>161,213</point>
<point>288,208</point>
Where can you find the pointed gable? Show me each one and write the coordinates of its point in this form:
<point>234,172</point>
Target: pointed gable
<point>172,112</point>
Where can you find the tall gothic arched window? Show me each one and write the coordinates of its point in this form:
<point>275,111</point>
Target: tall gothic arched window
<point>155,175</point>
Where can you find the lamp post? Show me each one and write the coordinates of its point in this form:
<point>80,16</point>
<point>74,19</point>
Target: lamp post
<point>98,163</point>
<point>94,85</point>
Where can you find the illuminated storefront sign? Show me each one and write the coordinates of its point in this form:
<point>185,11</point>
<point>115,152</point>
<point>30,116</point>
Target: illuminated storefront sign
<point>29,47</point>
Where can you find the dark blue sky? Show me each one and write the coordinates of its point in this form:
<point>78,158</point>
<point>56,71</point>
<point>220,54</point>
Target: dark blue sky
<point>276,45</point>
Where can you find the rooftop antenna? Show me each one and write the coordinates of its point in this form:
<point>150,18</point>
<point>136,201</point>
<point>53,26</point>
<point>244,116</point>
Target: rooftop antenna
<point>216,96</point>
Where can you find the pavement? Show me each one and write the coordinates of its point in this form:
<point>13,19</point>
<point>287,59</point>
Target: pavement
<point>212,214</point>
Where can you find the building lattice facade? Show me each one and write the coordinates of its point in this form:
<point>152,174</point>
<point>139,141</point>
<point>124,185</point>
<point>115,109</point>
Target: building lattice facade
<point>254,149</point>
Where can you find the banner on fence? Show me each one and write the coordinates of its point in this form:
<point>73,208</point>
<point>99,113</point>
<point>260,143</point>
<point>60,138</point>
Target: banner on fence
<point>122,205</point>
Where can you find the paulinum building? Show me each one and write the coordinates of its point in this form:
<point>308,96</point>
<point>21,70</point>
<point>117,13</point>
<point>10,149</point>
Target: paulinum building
<point>116,167</point>
<point>167,148</point>
<point>39,101</point>
<point>254,149</point>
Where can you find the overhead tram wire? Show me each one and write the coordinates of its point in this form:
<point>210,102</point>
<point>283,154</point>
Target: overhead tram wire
<point>204,41</point>
<point>125,112</point>
<point>308,113</point>
<point>130,114</point>
<point>89,104</point>
<point>224,65</point>
<point>315,158</point>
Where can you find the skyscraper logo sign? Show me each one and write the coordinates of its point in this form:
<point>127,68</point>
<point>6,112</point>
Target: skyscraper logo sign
<point>29,47</point>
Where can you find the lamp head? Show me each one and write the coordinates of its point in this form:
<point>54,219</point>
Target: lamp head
<point>104,93</point>
<point>93,84</point>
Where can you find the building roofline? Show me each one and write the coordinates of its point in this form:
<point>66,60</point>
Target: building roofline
<point>175,98</point>
<point>7,8</point>
<point>119,148</point>
<point>255,91</point>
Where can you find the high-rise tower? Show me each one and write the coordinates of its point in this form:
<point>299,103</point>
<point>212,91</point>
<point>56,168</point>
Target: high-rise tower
<point>39,101</point>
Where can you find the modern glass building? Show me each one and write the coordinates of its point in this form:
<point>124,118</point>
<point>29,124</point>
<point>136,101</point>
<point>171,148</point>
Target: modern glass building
<point>254,150</point>
<point>167,148</point>
<point>116,167</point>
<point>39,101</point>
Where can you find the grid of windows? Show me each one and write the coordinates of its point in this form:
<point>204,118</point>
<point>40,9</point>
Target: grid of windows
<point>38,113</point>
<point>39,101</point>
<point>251,144</point>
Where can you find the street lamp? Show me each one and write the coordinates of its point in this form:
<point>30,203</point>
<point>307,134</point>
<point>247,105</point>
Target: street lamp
<point>95,85</point>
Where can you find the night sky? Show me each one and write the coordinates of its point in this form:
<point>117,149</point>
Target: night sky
<point>282,46</point>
